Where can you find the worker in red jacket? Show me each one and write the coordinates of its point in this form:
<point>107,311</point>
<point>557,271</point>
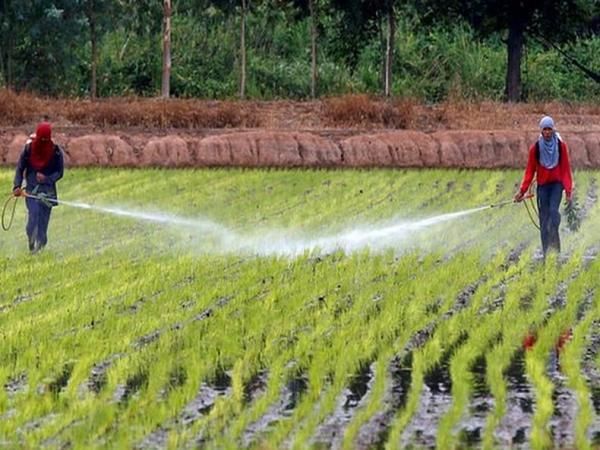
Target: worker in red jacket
<point>549,160</point>
<point>40,165</point>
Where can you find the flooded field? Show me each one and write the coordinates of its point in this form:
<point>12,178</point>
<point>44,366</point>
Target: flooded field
<point>299,309</point>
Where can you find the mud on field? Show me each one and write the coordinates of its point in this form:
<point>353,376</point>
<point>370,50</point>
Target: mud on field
<point>312,149</point>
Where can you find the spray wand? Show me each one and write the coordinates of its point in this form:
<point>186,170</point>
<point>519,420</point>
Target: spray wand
<point>508,202</point>
<point>532,213</point>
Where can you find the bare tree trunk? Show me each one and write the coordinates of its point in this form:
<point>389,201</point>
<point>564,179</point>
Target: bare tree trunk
<point>6,53</point>
<point>9,62</point>
<point>92,21</point>
<point>313,48</point>
<point>243,50</point>
<point>166,70</point>
<point>516,37</point>
<point>389,53</point>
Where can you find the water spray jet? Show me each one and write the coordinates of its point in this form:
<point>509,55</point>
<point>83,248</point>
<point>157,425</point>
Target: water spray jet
<point>281,243</point>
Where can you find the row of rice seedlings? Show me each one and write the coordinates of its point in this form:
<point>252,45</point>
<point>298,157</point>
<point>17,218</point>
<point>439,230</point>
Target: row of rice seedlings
<point>124,362</point>
<point>375,402</point>
<point>247,313</point>
<point>443,287</point>
<point>243,339</point>
<point>132,336</point>
<point>76,341</point>
<point>420,318</point>
<point>489,328</point>
<point>346,324</point>
<point>336,327</point>
<point>571,365</point>
<point>549,277</point>
<point>31,326</point>
<point>379,333</point>
<point>536,360</point>
<point>447,333</point>
<point>403,267</point>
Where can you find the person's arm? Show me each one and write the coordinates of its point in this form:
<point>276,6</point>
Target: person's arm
<point>566,176</point>
<point>529,170</point>
<point>60,167</point>
<point>21,164</point>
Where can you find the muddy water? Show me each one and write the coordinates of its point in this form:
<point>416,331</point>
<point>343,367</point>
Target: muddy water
<point>592,374</point>
<point>472,427</point>
<point>562,423</point>
<point>373,433</point>
<point>282,408</point>
<point>435,401</point>
<point>515,428</point>
<point>330,433</point>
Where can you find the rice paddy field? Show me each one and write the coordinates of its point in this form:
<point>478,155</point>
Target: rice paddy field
<point>299,309</point>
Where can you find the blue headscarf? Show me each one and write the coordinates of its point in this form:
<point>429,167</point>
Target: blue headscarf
<point>549,149</point>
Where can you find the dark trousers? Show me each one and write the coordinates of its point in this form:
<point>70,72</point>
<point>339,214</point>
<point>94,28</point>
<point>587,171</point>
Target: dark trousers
<point>548,201</point>
<point>37,223</point>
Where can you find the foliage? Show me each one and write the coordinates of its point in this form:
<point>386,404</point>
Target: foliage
<point>46,49</point>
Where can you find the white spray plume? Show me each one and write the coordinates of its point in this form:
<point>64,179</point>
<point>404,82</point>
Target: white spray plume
<point>282,243</point>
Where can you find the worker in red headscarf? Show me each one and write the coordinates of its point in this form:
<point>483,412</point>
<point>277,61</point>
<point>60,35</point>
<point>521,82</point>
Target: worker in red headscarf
<point>41,166</point>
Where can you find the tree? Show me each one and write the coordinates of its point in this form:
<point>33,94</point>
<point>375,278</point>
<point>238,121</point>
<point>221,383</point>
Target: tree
<point>361,21</point>
<point>166,40</point>
<point>390,42</point>
<point>8,34</point>
<point>518,18</point>
<point>245,7</point>
<point>313,47</point>
<point>98,14</point>
<point>38,39</point>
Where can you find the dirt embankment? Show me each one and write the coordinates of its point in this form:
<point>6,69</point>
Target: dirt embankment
<point>269,148</point>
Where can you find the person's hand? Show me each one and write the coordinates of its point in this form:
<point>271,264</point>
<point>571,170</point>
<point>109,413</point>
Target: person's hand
<point>17,192</point>
<point>518,197</point>
<point>569,198</point>
<point>40,177</point>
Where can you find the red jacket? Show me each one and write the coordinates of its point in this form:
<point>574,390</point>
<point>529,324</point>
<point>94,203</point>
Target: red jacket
<point>562,172</point>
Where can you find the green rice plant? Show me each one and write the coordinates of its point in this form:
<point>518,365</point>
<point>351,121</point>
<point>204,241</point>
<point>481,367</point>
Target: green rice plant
<point>570,360</point>
<point>164,310</point>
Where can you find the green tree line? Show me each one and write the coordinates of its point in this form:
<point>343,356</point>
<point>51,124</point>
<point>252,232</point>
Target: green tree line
<point>533,50</point>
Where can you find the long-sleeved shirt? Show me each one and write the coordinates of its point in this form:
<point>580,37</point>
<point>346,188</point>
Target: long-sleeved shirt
<point>561,173</point>
<point>53,171</point>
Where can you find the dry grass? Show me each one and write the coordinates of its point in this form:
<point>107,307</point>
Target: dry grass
<point>21,109</point>
<point>160,114</point>
<point>362,110</point>
<point>346,112</point>
<point>16,109</point>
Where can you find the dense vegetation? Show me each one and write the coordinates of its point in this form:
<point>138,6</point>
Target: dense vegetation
<point>143,334</point>
<point>454,52</point>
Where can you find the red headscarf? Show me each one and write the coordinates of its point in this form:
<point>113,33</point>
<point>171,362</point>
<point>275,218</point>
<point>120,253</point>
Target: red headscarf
<point>41,146</point>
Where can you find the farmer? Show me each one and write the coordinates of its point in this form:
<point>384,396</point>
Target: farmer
<point>41,164</point>
<point>549,159</point>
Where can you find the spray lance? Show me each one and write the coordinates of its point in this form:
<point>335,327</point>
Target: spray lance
<point>531,208</point>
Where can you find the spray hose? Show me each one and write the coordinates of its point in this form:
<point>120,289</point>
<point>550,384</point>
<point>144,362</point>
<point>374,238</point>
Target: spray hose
<point>7,222</point>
